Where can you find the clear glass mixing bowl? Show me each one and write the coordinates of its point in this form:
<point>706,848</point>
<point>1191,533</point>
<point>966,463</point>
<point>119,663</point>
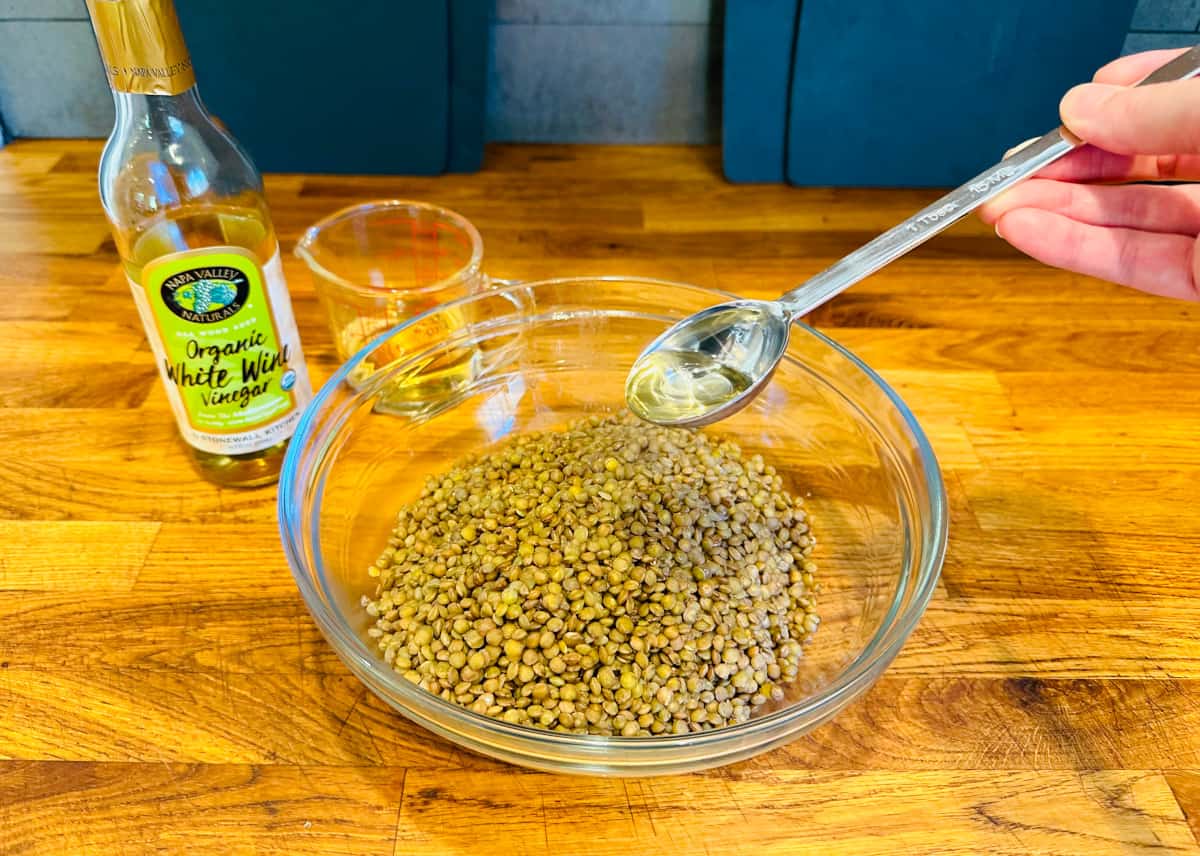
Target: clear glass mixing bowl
<point>535,356</point>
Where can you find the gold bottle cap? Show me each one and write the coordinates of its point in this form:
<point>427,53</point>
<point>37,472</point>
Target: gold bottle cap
<point>142,46</point>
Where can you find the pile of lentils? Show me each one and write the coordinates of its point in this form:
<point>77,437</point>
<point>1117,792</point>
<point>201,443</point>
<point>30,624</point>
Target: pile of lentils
<point>612,578</point>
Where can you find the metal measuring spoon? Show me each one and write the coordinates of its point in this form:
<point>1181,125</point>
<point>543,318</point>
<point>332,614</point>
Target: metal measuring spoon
<point>710,365</point>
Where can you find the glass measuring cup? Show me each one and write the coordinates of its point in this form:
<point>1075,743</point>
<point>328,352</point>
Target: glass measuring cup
<point>381,263</point>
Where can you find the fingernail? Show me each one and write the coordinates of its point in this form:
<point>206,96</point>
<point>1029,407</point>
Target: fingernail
<point>1020,146</point>
<point>1080,104</point>
<point>999,234</point>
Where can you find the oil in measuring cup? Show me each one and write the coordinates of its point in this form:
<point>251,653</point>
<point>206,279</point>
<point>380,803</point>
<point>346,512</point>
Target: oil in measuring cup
<point>671,385</point>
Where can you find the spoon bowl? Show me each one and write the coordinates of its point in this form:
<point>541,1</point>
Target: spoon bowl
<point>710,365</point>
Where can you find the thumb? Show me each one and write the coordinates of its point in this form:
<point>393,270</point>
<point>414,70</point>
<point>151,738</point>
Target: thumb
<point>1159,119</point>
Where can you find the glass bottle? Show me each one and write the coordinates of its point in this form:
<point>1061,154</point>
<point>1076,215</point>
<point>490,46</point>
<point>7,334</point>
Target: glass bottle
<point>192,227</point>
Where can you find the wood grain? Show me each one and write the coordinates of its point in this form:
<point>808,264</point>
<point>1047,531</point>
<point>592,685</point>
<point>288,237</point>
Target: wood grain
<point>204,715</point>
<point>792,811</point>
<point>1186,786</point>
<point>168,808</point>
<point>163,690</point>
<point>101,556</point>
<point>904,724</point>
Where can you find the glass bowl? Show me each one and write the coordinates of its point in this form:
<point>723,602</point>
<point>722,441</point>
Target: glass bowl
<point>535,356</point>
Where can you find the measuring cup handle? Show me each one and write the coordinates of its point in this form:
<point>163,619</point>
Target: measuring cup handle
<point>496,282</point>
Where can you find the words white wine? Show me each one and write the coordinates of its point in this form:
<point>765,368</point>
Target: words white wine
<point>192,227</point>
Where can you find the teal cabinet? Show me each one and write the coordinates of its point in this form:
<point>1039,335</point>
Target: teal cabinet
<point>913,93</point>
<point>374,86</point>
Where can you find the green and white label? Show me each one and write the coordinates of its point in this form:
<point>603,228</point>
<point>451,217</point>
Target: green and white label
<point>222,330</point>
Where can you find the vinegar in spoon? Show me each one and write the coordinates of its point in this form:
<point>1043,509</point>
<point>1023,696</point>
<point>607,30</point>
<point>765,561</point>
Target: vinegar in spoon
<point>668,385</point>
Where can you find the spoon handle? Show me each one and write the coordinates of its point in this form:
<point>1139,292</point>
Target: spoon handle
<point>955,205</point>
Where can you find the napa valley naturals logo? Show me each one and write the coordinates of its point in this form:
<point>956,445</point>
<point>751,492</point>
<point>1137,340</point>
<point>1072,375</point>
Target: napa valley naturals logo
<point>205,295</point>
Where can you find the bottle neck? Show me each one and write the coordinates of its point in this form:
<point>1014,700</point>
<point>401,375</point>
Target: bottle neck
<point>137,106</point>
<point>142,46</point>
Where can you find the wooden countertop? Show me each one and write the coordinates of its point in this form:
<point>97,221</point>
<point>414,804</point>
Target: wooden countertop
<point>1049,702</point>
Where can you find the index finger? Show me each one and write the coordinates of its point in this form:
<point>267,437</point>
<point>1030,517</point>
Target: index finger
<point>1090,164</point>
<point>1129,70</point>
<point>1163,119</point>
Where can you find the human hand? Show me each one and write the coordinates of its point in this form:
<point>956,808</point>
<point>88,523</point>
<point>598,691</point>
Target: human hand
<point>1079,213</point>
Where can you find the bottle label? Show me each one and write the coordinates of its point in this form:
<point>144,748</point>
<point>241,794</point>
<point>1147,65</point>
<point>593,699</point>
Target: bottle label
<point>221,327</point>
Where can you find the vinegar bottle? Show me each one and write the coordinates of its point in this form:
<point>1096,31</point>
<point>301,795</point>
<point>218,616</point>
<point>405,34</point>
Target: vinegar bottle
<point>189,218</point>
